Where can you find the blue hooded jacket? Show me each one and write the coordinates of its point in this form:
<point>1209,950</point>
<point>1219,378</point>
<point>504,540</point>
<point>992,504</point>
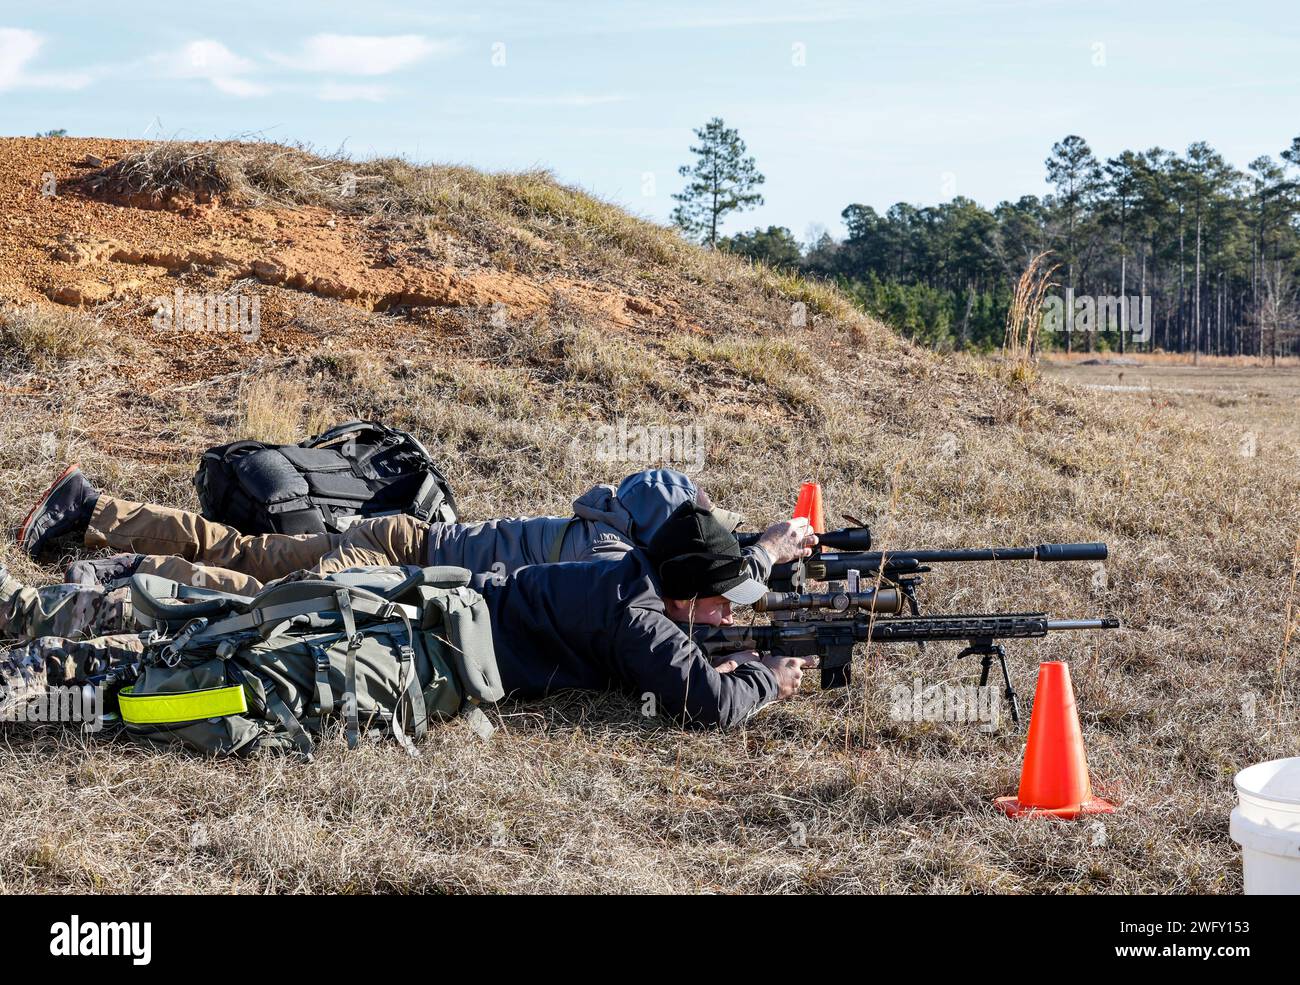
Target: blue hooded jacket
<point>607,522</point>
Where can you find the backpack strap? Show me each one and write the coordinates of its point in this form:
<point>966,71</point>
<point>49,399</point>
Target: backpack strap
<point>427,500</point>
<point>324,693</point>
<point>436,576</point>
<point>297,734</point>
<point>557,545</point>
<point>413,698</point>
<point>261,617</point>
<point>346,428</point>
<point>156,601</point>
<point>344,601</point>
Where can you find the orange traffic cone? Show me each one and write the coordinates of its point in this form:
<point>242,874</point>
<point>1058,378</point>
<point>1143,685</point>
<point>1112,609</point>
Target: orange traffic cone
<point>1054,778</point>
<point>809,506</point>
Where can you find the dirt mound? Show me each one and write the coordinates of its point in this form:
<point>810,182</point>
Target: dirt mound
<point>76,241</point>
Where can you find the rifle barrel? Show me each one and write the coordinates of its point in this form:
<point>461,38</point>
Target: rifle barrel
<point>830,641</point>
<point>1043,552</point>
<point>1083,624</point>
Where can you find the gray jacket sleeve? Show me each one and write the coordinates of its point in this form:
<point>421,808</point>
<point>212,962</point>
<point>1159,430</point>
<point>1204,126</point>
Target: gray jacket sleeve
<point>758,563</point>
<point>658,659</point>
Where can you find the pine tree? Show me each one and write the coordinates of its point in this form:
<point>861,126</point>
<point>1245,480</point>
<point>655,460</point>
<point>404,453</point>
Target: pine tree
<point>1121,193</point>
<point>1074,171</point>
<point>722,180</point>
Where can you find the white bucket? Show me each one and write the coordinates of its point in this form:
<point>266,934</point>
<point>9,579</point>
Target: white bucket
<point>1266,824</point>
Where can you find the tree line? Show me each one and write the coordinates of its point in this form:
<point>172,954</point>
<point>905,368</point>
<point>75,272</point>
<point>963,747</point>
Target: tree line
<point>1215,249</point>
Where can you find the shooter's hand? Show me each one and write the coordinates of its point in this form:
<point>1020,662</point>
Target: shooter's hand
<point>734,660</point>
<point>789,674</point>
<point>788,540</point>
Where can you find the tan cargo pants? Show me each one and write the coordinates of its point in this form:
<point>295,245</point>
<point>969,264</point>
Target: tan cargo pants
<point>187,548</point>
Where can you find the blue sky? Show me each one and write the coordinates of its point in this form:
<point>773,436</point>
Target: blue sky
<point>839,102</point>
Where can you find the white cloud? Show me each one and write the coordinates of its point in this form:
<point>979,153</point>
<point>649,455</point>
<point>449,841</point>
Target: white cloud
<point>214,62</point>
<point>335,92</point>
<point>358,54</point>
<point>17,48</point>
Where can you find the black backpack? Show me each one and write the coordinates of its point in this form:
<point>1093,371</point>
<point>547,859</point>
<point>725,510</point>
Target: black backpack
<point>355,469</point>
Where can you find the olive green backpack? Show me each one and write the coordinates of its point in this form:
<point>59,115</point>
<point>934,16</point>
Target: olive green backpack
<point>382,651</point>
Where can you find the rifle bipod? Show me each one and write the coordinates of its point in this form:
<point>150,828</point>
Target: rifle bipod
<point>986,650</point>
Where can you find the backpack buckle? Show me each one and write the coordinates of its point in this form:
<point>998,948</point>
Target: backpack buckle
<point>171,653</point>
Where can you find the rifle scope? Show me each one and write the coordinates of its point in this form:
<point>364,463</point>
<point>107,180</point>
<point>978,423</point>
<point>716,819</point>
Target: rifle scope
<point>887,600</point>
<point>844,539</point>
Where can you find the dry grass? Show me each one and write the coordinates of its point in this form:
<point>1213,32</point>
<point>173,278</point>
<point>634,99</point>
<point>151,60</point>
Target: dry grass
<point>819,297</point>
<point>40,337</point>
<point>825,793</point>
<point>230,172</point>
<point>280,410</point>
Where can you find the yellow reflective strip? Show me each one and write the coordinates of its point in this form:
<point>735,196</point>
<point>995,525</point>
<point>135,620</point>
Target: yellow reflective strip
<point>181,706</point>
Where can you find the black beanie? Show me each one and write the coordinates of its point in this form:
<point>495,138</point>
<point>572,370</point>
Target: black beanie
<point>695,556</point>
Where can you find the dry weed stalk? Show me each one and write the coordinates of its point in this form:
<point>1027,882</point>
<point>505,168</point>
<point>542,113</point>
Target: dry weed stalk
<point>1290,619</point>
<point>1024,315</point>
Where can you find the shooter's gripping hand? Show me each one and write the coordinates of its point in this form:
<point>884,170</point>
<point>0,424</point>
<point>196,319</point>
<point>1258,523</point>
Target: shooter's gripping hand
<point>788,540</point>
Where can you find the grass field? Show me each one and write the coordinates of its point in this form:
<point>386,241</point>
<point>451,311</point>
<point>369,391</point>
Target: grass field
<point>825,793</point>
<point>1261,400</point>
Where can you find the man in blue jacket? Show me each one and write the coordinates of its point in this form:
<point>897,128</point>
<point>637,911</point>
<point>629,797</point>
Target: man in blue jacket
<point>601,627</point>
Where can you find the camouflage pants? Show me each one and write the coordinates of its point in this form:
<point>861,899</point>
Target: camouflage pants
<point>72,612</point>
<point>28,669</point>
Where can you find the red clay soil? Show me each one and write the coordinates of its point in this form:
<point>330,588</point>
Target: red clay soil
<point>72,249</point>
